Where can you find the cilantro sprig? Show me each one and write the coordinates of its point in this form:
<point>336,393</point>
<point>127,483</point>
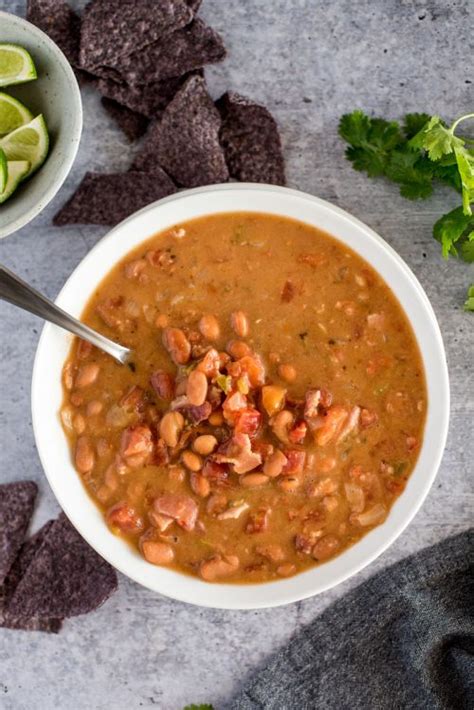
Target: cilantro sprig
<point>469,304</point>
<point>417,155</point>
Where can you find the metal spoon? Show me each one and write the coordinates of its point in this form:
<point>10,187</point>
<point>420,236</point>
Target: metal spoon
<point>17,292</point>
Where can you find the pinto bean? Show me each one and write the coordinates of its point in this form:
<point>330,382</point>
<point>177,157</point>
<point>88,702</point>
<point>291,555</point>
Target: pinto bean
<point>240,324</point>
<point>209,327</point>
<point>216,418</point>
<point>205,444</point>
<point>274,464</point>
<point>171,427</point>
<point>177,344</point>
<point>94,407</point>
<point>238,349</point>
<point>79,424</point>
<point>199,484</point>
<point>252,480</point>
<point>158,553</point>
<point>87,375</point>
<point>288,484</point>
<point>84,456</point>
<point>272,552</point>
<point>191,460</point>
<point>287,372</point>
<point>281,424</point>
<point>286,570</point>
<point>68,376</point>
<point>218,566</point>
<point>84,349</point>
<point>196,388</point>
<point>326,547</point>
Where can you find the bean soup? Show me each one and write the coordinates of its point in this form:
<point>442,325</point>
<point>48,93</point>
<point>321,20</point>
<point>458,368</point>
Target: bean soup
<point>274,408</point>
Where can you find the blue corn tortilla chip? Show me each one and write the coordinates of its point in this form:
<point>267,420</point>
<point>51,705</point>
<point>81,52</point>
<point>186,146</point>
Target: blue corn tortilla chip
<point>112,29</point>
<point>17,502</point>
<point>185,142</point>
<point>189,48</point>
<point>250,139</point>
<point>25,557</point>
<point>65,578</point>
<point>59,22</point>
<point>194,5</point>
<point>149,100</point>
<point>109,198</point>
<point>133,124</point>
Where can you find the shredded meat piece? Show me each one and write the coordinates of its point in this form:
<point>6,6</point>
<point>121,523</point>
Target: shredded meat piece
<point>238,452</point>
<point>257,521</point>
<point>181,508</point>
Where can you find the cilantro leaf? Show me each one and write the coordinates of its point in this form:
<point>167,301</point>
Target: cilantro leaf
<point>436,139</point>
<point>469,303</point>
<point>354,128</point>
<point>414,122</point>
<point>466,248</point>
<point>412,173</point>
<point>453,228</point>
<point>465,162</point>
<point>371,141</point>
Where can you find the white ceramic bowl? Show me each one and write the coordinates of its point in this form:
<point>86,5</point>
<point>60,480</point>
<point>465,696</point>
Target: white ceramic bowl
<point>55,94</point>
<point>54,345</point>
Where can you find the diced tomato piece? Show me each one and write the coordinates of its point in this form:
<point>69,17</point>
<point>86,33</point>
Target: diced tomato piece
<point>136,440</point>
<point>297,434</point>
<point>295,463</point>
<point>181,508</point>
<point>124,517</point>
<point>247,421</point>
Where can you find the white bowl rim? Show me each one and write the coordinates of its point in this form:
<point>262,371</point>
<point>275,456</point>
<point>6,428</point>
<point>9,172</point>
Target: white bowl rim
<point>68,161</point>
<point>318,579</point>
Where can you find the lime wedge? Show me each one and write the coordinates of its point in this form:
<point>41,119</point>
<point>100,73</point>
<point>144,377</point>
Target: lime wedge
<point>16,65</point>
<point>29,142</point>
<point>13,114</point>
<point>17,170</point>
<point>3,171</point>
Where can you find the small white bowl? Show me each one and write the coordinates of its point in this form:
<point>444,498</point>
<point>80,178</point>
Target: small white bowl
<point>54,346</point>
<point>55,94</point>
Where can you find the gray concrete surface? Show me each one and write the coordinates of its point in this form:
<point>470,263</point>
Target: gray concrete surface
<point>308,61</point>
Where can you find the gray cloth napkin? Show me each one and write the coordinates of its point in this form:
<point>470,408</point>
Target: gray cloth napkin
<point>402,640</point>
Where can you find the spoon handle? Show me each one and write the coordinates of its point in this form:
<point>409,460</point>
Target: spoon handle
<point>19,293</point>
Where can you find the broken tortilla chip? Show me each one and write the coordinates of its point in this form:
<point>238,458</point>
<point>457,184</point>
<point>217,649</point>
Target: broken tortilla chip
<point>133,124</point>
<point>185,142</point>
<point>251,141</point>
<point>109,198</point>
<point>65,578</point>
<point>112,29</point>
<point>17,501</point>
<point>25,557</point>
<point>59,22</point>
<point>189,48</point>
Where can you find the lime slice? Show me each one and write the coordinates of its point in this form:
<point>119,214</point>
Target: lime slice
<point>3,171</point>
<point>16,65</point>
<point>17,170</point>
<point>12,114</point>
<point>29,142</point>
